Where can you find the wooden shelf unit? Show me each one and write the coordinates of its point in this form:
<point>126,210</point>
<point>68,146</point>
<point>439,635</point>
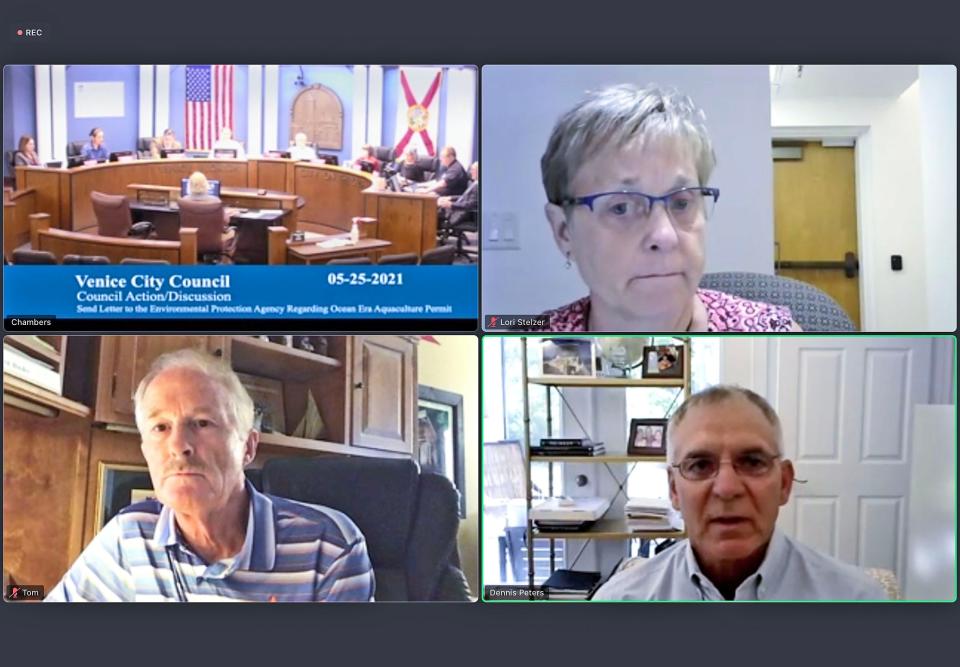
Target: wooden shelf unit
<point>577,381</point>
<point>604,458</point>
<point>14,386</point>
<point>606,528</point>
<point>33,346</point>
<point>272,360</point>
<point>609,529</point>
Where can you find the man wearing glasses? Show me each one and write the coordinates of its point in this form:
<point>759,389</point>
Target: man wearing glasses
<point>728,478</point>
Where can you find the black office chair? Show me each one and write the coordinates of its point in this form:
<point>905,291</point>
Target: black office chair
<point>349,260</point>
<point>463,229</point>
<point>9,169</point>
<point>441,255</point>
<point>75,149</point>
<point>429,166</point>
<point>85,259</point>
<point>384,153</point>
<point>409,518</point>
<point>25,256</point>
<point>329,158</point>
<point>144,146</point>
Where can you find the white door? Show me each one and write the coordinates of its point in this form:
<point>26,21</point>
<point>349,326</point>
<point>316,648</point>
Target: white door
<point>847,410</point>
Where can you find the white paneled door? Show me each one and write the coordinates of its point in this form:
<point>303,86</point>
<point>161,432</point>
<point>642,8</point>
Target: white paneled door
<point>847,410</point>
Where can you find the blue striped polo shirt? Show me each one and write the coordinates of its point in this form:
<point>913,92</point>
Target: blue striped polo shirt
<point>292,552</point>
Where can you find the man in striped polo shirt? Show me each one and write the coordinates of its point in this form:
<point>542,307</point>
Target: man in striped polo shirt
<point>211,536</point>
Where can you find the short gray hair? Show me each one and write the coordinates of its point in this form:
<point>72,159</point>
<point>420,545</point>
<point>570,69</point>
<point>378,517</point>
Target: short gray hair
<point>614,116</point>
<point>718,394</point>
<point>239,405</point>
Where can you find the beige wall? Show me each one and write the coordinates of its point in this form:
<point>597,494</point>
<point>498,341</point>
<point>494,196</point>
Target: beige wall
<point>453,366</point>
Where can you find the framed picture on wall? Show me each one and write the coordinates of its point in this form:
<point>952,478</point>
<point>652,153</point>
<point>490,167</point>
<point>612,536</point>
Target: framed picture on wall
<point>267,396</point>
<point>663,361</point>
<point>647,437</point>
<point>440,437</point>
<point>119,485</point>
<point>568,356</point>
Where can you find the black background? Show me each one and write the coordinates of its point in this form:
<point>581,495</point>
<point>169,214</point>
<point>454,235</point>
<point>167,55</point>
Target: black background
<point>459,32</point>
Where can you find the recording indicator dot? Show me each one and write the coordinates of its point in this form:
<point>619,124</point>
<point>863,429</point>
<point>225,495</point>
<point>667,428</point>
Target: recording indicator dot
<point>19,33</point>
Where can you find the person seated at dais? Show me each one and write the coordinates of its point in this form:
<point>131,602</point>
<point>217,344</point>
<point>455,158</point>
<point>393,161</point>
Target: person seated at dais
<point>409,169</point>
<point>452,179</point>
<point>626,173</point>
<point>165,142</point>
<point>456,208</point>
<point>227,142</point>
<point>95,148</point>
<point>26,155</point>
<point>300,150</point>
<point>368,157</point>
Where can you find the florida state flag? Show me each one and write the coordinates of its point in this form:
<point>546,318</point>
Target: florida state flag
<point>417,110</point>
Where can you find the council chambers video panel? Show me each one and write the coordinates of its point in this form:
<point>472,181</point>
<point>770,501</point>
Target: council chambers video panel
<point>216,195</point>
<point>256,468</point>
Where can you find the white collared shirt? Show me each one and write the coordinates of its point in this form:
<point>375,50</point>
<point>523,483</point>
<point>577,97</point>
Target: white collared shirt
<point>789,571</point>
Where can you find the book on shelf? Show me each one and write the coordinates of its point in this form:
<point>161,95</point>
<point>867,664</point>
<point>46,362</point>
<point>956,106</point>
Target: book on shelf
<point>30,369</point>
<point>570,584</point>
<point>648,505</point>
<point>568,451</point>
<point>651,525</point>
<point>562,526</point>
<point>567,442</point>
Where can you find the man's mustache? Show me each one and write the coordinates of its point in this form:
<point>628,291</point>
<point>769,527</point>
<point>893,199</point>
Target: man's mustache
<point>181,469</point>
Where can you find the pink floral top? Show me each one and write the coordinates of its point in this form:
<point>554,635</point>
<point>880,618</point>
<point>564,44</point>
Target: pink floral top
<point>725,312</point>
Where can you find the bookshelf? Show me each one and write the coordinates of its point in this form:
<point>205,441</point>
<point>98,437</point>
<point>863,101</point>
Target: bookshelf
<point>33,375</point>
<point>606,528</point>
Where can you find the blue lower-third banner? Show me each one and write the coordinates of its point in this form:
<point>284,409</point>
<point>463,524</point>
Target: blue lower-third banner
<point>239,292</point>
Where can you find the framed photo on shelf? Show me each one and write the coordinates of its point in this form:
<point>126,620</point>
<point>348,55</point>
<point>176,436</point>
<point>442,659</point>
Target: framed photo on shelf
<point>267,395</point>
<point>440,432</point>
<point>119,485</point>
<point>568,356</point>
<point>647,437</point>
<point>663,361</point>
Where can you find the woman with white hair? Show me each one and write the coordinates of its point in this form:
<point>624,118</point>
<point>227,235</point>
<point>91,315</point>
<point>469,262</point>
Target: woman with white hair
<point>626,173</point>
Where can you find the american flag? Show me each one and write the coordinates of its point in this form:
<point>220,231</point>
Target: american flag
<point>209,103</point>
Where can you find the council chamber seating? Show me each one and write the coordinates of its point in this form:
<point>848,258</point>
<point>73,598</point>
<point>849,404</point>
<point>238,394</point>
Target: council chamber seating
<point>114,217</point>
<point>401,258</point>
<point>27,256</point>
<point>305,197</point>
<point>385,154</point>
<point>144,145</point>
<point>441,255</point>
<point>75,148</point>
<point>409,518</point>
<point>429,165</point>
<point>207,218</point>
<point>85,259</point>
